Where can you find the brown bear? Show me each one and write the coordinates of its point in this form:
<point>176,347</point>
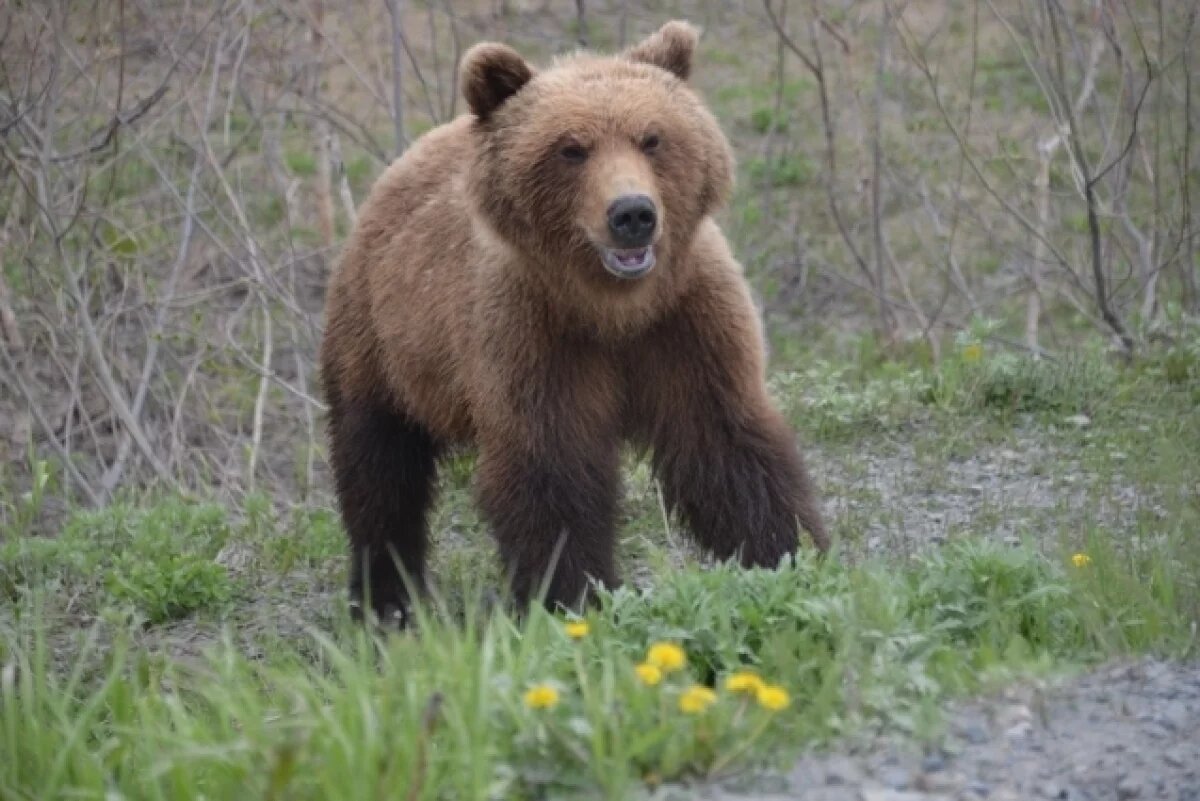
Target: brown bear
<point>542,278</point>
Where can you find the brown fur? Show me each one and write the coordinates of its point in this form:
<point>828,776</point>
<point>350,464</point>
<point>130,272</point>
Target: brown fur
<point>471,306</point>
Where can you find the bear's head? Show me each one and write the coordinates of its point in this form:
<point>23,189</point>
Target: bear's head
<point>598,169</point>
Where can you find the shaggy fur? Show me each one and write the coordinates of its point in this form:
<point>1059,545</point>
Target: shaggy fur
<point>472,306</point>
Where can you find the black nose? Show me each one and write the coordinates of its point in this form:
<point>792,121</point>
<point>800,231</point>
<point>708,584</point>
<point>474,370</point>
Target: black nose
<point>631,220</point>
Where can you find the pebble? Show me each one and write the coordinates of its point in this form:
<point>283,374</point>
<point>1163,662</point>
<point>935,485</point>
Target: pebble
<point>1005,794</point>
<point>940,782</point>
<point>975,734</point>
<point>932,763</point>
<point>898,795</point>
<point>1129,788</point>
<point>1019,730</point>
<point>1174,758</point>
<point>1174,717</point>
<point>895,778</point>
<point>842,770</point>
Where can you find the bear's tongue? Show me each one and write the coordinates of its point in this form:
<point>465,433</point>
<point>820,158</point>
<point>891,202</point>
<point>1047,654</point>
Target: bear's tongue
<point>631,263</point>
<point>631,258</point>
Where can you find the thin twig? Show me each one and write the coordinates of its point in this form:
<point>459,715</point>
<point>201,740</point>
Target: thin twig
<point>395,10</point>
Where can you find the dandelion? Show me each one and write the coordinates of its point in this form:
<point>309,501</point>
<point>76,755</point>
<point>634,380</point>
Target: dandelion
<point>1081,560</point>
<point>772,697</point>
<point>696,699</point>
<point>666,656</point>
<point>972,353</point>
<point>577,629</point>
<point>743,681</point>
<point>541,696</point>
<point>648,674</point>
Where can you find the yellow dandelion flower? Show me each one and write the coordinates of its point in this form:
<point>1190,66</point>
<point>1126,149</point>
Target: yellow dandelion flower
<point>541,696</point>
<point>696,699</point>
<point>972,353</point>
<point>666,656</point>
<point>772,697</point>
<point>648,674</point>
<point>1081,560</point>
<point>743,681</point>
<point>577,629</point>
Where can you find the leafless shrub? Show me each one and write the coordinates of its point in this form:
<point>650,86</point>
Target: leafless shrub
<point>177,178</point>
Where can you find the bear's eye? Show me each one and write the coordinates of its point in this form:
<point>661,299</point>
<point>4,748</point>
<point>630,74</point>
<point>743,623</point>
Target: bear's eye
<point>650,143</point>
<point>576,154</point>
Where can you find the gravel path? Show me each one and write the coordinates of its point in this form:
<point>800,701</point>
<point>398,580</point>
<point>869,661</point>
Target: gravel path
<point>897,499</point>
<point>1125,732</point>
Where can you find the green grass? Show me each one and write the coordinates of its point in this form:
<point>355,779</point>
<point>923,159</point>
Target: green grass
<point>442,712</point>
<point>97,700</point>
<point>157,559</point>
<point>793,169</point>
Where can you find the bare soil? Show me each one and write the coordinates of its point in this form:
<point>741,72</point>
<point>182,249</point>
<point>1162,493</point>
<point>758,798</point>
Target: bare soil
<point>1123,732</point>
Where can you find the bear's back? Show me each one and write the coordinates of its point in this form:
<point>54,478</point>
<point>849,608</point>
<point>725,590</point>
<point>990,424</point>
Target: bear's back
<point>403,282</point>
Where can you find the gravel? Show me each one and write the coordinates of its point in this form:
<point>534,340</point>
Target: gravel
<point>1127,731</point>
<point>898,498</point>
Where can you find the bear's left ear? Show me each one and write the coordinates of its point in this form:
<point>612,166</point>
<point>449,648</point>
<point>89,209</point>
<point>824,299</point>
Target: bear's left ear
<point>670,48</point>
<point>490,74</point>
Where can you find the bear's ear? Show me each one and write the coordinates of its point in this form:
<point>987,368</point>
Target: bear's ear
<point>490,74</point>
<point>670,48</point>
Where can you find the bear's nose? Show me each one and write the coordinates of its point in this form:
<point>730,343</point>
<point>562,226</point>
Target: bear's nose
<point>631,221</point>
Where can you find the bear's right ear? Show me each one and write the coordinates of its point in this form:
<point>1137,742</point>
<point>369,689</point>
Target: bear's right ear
<point>670,48</point>
<point>490,74</point>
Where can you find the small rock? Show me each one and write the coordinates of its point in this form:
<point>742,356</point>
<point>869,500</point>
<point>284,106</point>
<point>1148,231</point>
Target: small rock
<point>841,771</point>
<point>1005,794</point>
<point>897,795</point>
<point>1019,730</point>
<point>940,782</point>
<point>975,734</point>
<point>1128,787</point>
<point>933,763</point>
<point>1055,791</point>
<point>895,778</point>
<point>1175,758</point>
<point>1017,721</point>
<point>1079,420</point>
<point>818,794</point>
<point>1174,717</point>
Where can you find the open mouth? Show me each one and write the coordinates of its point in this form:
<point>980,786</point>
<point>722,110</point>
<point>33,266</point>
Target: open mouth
<point>632,263</point>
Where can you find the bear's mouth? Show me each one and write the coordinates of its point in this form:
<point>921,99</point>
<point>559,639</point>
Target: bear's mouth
<point>631,263</point>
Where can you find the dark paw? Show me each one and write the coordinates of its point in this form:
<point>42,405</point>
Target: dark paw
<point>387,614</point>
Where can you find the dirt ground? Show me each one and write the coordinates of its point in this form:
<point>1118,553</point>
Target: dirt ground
<point>1127,731</point>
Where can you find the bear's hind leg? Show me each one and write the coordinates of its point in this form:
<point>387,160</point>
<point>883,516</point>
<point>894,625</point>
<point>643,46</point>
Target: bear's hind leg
<point>384,466</point>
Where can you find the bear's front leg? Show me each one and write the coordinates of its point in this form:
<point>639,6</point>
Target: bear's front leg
<point>739,482</point>
<point>548,475</point>
<point>552,512</point>
<point>727,459</point>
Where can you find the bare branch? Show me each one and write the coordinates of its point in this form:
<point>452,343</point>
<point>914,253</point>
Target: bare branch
<point>396,10</point>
